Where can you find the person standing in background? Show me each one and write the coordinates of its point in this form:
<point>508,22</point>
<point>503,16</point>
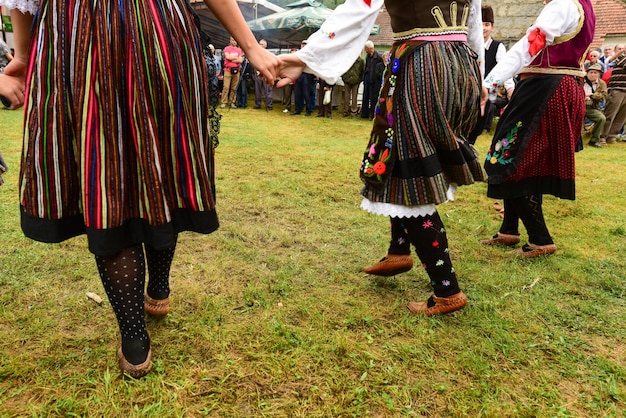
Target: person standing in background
<point>304,91</point>
<point>372,77</point>
<point>351,82</point>
<point>324,99</point>
<point>233,58</point>
<point>245,77</point>
<point>607,51</point>
<point>262,91</point>
<point>615,110</point>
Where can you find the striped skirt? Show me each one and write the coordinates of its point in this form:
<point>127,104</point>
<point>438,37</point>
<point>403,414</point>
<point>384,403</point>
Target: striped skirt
<point>116,138</point>
<point>430,101</point>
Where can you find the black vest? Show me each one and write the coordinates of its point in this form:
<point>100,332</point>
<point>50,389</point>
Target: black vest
<point>490,56</point>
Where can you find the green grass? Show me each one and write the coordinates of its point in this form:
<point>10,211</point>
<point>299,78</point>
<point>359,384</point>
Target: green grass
<point>272,317</point>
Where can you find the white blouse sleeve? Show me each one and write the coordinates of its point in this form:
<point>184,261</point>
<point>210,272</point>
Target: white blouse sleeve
<point>24,6</point>
<point>558,18</point>
<point>331,50</point>
<point>475,37</point>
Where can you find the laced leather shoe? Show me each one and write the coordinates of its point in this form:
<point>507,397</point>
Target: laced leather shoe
<point>438,305</point>
<point>391,265</point>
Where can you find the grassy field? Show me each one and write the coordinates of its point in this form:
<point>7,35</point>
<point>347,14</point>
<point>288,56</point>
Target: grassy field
<point>272,316</point>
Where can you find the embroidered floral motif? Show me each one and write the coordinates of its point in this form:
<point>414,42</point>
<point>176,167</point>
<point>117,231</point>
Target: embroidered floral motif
<point>439,263</point>
<point>380,166</point>
<point>390,121</point>
<point>395,67</point>
<point>378,160</point>
<point>401,50</point>
<point>446,283</point>
<point>368,2</point>
<point>500,152</point>
<point>427,224</point>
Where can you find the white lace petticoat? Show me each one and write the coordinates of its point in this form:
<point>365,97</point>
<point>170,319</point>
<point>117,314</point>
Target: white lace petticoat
<point>401,211</point>
<point>25,6</point>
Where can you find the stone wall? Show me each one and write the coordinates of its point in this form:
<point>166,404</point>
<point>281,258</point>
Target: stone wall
<point>513,17</point>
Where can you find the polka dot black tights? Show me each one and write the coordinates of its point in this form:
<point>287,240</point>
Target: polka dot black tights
<point>123,276</point>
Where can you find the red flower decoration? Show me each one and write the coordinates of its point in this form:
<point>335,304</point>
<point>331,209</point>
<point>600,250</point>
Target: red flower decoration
<point>537,40</point>
<point>380,168</point>
<point>368,2</point>
<point>436,244</point>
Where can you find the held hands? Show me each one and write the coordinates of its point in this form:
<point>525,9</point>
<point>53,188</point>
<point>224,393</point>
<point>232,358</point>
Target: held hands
<point>12,83</point>
<point>290,68</point>
<point>265,63</point>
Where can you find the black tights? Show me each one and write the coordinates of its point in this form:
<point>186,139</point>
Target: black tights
<point>428,236</point>
<point>529,210</point>
<point>123,277</point>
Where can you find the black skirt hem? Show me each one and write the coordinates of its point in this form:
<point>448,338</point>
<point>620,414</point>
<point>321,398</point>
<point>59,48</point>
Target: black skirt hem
<point>104,242</point>
<point>557,187</point>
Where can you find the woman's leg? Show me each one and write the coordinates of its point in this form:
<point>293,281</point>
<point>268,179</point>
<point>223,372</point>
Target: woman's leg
<point>398,259</point>
<point>531,214</point>
<point>399,243</point>
<point>509,230</point>
<point>159,264</point>
<point>428,236</point>
<point>510,223</point>
<point>123,277</point>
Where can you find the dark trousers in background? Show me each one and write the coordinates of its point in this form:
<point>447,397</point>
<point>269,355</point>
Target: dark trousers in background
<point>304,85</point>
<point>262,92</point>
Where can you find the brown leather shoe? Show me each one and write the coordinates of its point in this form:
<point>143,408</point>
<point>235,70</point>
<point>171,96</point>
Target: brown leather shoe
<point>134,370</point>
<point>532,250</point>
<point>502,239</point>
<point>391,265</point>
<point>156,307</point>
<point>441,306</point>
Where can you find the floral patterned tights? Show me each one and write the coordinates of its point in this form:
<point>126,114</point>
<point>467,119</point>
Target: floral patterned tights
<point>428,236</point>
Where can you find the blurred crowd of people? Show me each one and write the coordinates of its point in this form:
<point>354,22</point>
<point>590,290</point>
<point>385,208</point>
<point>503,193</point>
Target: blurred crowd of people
<point>357,89</point>
<point>605,91</point>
